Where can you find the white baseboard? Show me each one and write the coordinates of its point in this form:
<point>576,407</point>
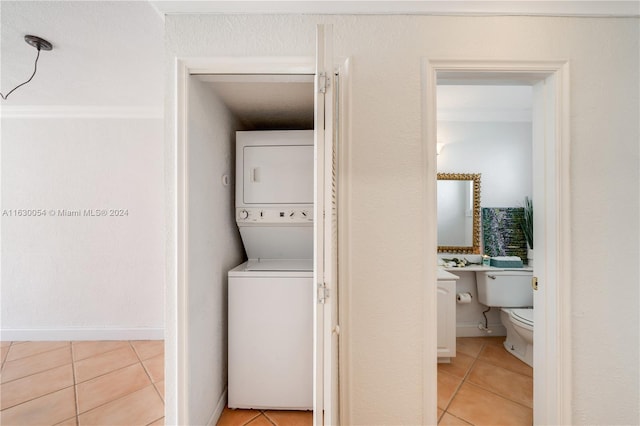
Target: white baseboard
<point>68,334</point>
<point>222,402</point>
<point>472,330</point>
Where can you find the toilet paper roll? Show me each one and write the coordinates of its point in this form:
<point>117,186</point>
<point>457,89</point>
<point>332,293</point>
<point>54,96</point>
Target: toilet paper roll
<point>464,298</point>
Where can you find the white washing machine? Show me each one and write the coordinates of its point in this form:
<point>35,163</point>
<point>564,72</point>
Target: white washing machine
<point>271,336</point>
<point>271,295</point>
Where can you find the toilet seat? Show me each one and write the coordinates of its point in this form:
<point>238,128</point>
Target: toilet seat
<point>524,317</point>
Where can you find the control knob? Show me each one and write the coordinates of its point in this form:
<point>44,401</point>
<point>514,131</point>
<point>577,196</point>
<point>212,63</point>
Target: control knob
<point>244,214</point>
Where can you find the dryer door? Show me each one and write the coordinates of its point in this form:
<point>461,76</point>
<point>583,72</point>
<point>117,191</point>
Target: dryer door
<point>278,174</point>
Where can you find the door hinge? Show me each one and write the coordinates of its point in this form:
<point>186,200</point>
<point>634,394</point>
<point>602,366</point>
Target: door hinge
<point>324,81</point>
<point>323,293</point>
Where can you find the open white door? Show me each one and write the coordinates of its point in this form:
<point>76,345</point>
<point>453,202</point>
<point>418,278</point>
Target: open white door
<point>326,241</point>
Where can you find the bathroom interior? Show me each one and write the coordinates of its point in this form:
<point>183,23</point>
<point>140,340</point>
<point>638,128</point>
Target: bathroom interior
<point>485,294</point>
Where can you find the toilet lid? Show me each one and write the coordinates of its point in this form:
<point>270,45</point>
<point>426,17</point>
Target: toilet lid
<point>523,315</point>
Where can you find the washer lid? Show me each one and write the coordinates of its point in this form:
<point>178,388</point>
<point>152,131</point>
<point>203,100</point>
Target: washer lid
<point>523,315</point>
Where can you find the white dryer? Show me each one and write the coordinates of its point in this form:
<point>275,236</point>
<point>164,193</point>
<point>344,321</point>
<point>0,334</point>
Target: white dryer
<point>271,295</point>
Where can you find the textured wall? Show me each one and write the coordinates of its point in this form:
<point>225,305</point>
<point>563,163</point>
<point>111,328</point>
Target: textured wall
<point>501,152</point>
<point>386,251</point>
<point>214,247</point>
<point>67,277</point>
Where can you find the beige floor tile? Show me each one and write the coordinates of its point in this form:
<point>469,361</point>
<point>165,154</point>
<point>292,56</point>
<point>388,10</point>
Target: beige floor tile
<point>481,407</point>
<point>470,346</point>
<point>148,348</point>
<point>261,420</point>
<point>450,420</point>
<point>36,385</point>
<point>506,383</point>
<point>160,387</point>
<point>159,422</point>
<point>50,409</point>
<point>4,343</point>
<point>459,365</point>
<point>23,367</point>
<point>110,386</point>
<point>498,355</point>
<point>73,421</point>
<point>155,367</point>
<point>231,417</point>
<point>85,349</point>
<point>290,418</point>
<point>139,408</point>
<point>4,350</point>
<point>98,365</point>
<point>26,349</point>
<point>447,386</point>
<point>494,340</point>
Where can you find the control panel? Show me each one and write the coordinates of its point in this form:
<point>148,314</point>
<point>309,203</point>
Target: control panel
<point>279,215</point>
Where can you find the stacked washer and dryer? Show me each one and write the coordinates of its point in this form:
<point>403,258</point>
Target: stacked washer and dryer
<point>271,295</point>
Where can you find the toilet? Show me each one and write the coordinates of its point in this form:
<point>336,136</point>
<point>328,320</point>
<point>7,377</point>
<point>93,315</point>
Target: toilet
<point>511,291</point>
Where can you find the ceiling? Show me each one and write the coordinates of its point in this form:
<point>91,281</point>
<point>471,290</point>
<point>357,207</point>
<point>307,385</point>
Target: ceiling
<point>282,102</point>
<point>104,53</point>
<point>111,53</point>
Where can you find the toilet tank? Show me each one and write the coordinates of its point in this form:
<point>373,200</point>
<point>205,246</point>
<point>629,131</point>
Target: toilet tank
<point>509,289</point>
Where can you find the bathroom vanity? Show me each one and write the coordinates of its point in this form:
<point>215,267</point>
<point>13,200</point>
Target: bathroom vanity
<point>446,315</point>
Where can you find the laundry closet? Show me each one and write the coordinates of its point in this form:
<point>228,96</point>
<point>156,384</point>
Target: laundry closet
<point>250,197</point>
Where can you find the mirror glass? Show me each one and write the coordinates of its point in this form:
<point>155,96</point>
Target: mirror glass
<point>459,213</point>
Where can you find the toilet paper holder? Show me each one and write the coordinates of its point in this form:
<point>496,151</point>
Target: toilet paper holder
<point>464,298</point>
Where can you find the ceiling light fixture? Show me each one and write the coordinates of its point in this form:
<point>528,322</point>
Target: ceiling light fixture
<point>38,43</point>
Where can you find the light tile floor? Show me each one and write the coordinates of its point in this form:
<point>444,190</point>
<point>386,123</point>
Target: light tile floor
<point>82,383</point>
<point>265,418</point>
<point>485,385</point>
<point>122,383</point>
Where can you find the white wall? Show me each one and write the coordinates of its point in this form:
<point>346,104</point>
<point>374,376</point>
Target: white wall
<point>214,248</point>
<point>500,151</point>
<point>82,277</point>
<point>385,281</point>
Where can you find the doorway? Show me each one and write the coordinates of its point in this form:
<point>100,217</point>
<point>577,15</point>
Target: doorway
<point>550,194</point>
<point>303,70</point>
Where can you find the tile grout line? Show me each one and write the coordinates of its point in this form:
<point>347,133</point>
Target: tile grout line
<point>75,384</point>
<point>48,369</point>
<point>6,356</point>
<point>252,418</point>
<point>6,359</point>
<point>477,358</point>
<point>94,355</point>
<point>269,419</point>
<point>146,371</point>
<point>464,379</point>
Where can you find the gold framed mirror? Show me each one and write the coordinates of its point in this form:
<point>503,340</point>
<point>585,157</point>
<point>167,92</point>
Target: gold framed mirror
<point>459,213</point>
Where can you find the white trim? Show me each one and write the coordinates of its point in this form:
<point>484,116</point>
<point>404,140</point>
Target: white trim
<point>556,372</point>
<point>222,402</point>
<point>430,267</point>
<point>81,111</point>
<point>345,167</point>
<point>80,333</point>
<point>182,247</point>
<point>627,8</point>
<point>494,115</point>
<point>250,65</point>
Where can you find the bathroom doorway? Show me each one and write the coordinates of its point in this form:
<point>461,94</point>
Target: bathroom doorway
<point>550,178</point>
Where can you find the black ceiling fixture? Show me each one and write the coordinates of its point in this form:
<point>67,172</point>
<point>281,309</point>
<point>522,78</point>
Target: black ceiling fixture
<point>40,44</point>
